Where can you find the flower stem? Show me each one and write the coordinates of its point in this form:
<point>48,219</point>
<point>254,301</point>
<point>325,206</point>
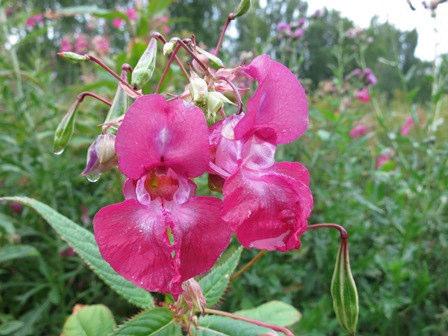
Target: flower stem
<point>237,94</point>
<point>283,330</point>
<point>223,32</point>
<point>251,262</point>
<point>167,67</point>
<point>82,95</point>
<point>342,231</point>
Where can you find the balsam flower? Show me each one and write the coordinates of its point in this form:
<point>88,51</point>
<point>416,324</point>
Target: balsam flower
<point>363,95</point>
<point>162,234</point>
<point>267,204</point>
<point>407,126</point>
<point>65,45</point>
<point>34,20</point>
<point>358,131</point>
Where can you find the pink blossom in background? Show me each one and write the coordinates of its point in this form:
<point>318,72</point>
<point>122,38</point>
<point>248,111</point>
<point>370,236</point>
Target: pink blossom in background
<point>132,14</point>
<point>16,207</point>
<point>162,23</point>
<point>117,23</point>
<point>369,77</point>
<point>32,21</point>
<point>162,234</point>
<point>407,126</point>
<point>101,44</point>
<point>67,252</point>
<point>383,158</point>
<point>363,95</point>
<point>65,45</point>
<point>283,27</point>
<point>298,33</point>
<point>81,44</point>
<point>358,131</point>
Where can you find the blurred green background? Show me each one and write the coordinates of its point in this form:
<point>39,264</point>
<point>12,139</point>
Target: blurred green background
<point>396,213</point>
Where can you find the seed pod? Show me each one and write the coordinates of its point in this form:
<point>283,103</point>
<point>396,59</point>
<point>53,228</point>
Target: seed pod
<point>145,66</point>
<point>344,292</point>
<point>242,8</point>
<point>73,57</point>
<point>65,130</point>
<point>168,47</point>
<point>214,60</point>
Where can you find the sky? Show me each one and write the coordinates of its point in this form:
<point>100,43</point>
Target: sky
<point>400,15</point>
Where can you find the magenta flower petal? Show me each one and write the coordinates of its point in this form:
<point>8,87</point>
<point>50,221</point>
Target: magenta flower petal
<point>159,247</point>
<point>203,234</point>
<point>358,130</point>
<point>133,239</point>
<point>278,110</point>
<point>269,209</point>
<point>363,95</point>
<point>156,132</point>
<point>407,126</point>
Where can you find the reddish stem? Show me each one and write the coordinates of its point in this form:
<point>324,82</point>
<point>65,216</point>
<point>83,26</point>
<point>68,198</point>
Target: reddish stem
<point>82,95</point>
<point>283,330</point>
<point>192,54</point>
<point>237,94</point>
<point>229,19</point>
<point>342,231</point>
<point>167,67</point>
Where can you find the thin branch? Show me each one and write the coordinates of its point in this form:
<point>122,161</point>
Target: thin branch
<point>82,95</point>
<point>229,19</point>
<point>283,330</point>
<point>167,67</point>
<point>342,231</point>
<point>237,94</point>
<point>249,264</point>
<point>411,5</point>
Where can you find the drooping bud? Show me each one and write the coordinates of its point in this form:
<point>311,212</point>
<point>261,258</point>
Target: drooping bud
<point>198,89</point>
<point>193,296</point>
<point>344,292</point>
<point>101,156</point>
<point>145,66</point>
<point>168,47</point>
<point>213,59</point>
<point>65,130</point>
<point>215,102</point>
<point>242,8</point>
<point>73,57</point>
<point>118,107</point>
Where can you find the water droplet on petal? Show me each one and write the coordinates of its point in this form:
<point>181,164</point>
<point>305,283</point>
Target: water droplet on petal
<point>94,177</point>
<point>59,152</point>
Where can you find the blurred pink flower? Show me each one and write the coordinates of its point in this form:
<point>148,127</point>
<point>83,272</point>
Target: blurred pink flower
<point>407,126</point>
<point>363,95</point>
<point>65,45</point>
<point>283,27</point>
<point>117,23</point>
<point>359,130</point>
<point>81,44</point>
<point>101,44</point>
<point>383,158</point>
<point>16,207</point>
<point>298,33</point>
<point>67,252</point>
<point>32,21</point>
<point>132,14</point>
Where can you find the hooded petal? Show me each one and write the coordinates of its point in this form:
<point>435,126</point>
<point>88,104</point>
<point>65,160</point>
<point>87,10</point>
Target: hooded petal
<point>133,239</point>
<point>268,209</point>
<point>156,132</point>
<point>278,110</point>
<point>200,235</point>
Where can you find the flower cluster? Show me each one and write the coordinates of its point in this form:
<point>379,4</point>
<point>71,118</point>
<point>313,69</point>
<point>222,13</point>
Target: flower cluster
<point>81,44</point>
<point>163,234</point>
<point>294,30</point>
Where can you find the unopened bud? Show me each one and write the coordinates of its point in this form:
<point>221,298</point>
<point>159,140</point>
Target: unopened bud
<point>73,57</point>
<point>198,89</point>
<point>65,130</point>
<point>146,64</point>
<point>242,8</point>
<point>101,156</point>
<point>193,296</point>
<point>168,47</point>
<point>215,102</point>
<point>344,292</point>
<point>214,60</point>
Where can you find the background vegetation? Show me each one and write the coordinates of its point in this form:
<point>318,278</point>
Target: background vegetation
<point>396,214</point>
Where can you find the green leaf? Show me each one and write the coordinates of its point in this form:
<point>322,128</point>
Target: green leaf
<point>344,292</point>
<point>215,282</point>
<point>9,327</point>
<point>273,312</point>
<point>83,242</point>
<point>146,64</point>
<point>6,224</point>
<point>92,10</point>
<point>11,252</point>
<point>157,6</point>
<point>224,326</point>
<point>242,8</point>
<point>94,320</point>
<point>151,322</point>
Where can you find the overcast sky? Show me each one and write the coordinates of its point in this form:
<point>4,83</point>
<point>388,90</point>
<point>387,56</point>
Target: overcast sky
<point>398,13</point>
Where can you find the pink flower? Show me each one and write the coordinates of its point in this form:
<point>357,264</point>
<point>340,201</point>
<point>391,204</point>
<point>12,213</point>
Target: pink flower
<point>81,44</point>
<point>298,33</point>
<point>267,204</point>
<point>16,207</point>
<point>407,126</point>
<point>101,44</point>
<point>65,45</point>
<point>363,95</point>
<point>34,20</point>
<point>117,23</point>
<point>132,14</point>
<point>383,158</point>
<point>369,77</point>
<point>359,130</point>
<point>162,234</point>
<point>283,27</point>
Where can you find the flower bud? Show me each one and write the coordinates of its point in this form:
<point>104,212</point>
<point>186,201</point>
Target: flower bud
<point>192,295</point>
<point>242,8</point>
<point>344,292</point>
<point>215,102</point>
<point>65,130</point>
<point>168,47</point>
<point>214,60</point>
<point>145,66</point>
<point>73,57</point>
<point>101,156</point>
<point>198,89</point>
